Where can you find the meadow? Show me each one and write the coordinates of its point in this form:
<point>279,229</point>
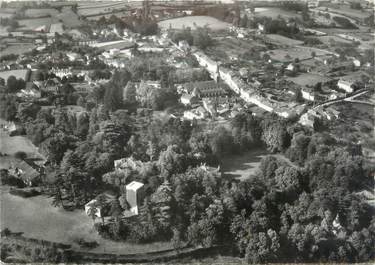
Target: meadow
<point>194,21</point>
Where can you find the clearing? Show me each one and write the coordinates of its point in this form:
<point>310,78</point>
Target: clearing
<point>193,22</point>
<point>245,165</point>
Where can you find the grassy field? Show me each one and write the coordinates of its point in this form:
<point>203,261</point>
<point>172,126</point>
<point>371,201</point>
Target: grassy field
<point>39,12</point>
<point>302,53</point>
<point>17,73</point>
<point>245,165</point>
<point>284,40</point>
<point>308,79</point>
<point>17,49</point>
<point>33,23</point>
<point>274,12</point>
<point>98,8</point>
<point>193,21</point>
<point>38,219</point>
<point>11,145</point>
<point>69,18</point>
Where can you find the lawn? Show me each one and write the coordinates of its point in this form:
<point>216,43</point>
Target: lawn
<point>194,21</point>
<point>11,145</point>
<point>38,219</point>
<point>245,165</point>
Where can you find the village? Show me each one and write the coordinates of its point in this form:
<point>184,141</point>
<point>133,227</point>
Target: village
<point>122,88</point>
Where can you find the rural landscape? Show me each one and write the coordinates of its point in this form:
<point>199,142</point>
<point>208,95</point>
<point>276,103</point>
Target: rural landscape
<point>190,131</point>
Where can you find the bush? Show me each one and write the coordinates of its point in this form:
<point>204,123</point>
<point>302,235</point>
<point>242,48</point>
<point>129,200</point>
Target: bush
<point>20,155</point>
<point>7,179</point>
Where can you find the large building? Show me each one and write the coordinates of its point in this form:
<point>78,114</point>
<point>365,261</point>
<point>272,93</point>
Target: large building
<point>134,196</point>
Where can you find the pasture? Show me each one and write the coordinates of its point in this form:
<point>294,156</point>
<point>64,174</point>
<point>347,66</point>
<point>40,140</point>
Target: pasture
<point>275,12</point>
<point>283,40</point>
<point>33,23</point>
<point>41,12</point>
<point>302,53</point>
<point>193,22</point>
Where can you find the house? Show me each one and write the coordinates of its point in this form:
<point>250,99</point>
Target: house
<point>206,89</point>
<point>345,85</point>
<point>184,45</point>
<point>195,114</point>
<point>308,94</point>
<point>72,56</point>
<point>23,171</point>
<point>187,99</point>
<point>357,63</point>
<point>134,196</point>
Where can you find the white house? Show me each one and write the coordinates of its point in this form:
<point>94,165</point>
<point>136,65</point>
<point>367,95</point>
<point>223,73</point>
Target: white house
<point>345,85</point>
<point>357,63</point>
<point>134,196</point>
<point>308,95</point>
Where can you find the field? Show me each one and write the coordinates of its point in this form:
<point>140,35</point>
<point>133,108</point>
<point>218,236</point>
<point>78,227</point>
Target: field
<point>17,49</point>
<point>41,12</point>
<point>98,8</point>
<point>17,73</point>
<point>38,219</point>
<point>69,18</point>
<point>194,21</point>
<point>5,15</point>
<point>37,22</point>
<point>308,79</point>
<point>302,53</point>
<point>283,40</point>
<point>243,166</point>
<point>274,12</point>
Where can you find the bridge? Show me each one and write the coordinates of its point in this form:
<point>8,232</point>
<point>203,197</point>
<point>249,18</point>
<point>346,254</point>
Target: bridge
<point>348,99</point>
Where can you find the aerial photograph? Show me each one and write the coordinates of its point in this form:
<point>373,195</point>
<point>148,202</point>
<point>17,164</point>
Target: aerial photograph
<point>187,132</point>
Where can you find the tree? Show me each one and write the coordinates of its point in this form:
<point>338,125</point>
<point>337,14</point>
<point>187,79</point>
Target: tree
<point>171,162</point>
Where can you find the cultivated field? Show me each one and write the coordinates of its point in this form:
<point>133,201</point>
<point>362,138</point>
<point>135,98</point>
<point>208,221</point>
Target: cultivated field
<point>96,8</point>
<point>193,22</point>
<point>274,12</point>
<point>283,40</point>
<point>302,53</point>
<point>37,22</point>
<point>69,18</point>
<point>308,79</point>
<point>40,12</point>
